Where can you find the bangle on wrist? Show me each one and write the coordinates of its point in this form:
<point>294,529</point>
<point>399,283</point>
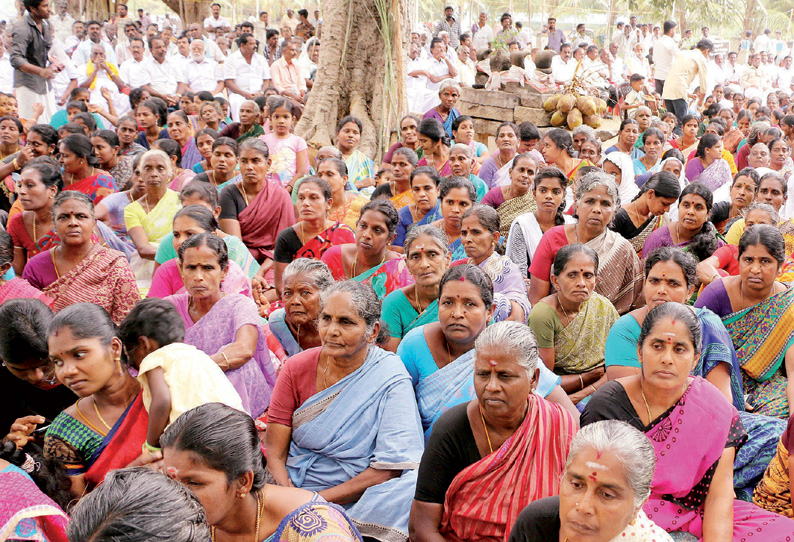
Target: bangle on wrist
<point>226,360</point>
<point>715,275</point>
<point>594,388</point>
<point>581,381</point>
<point>151,449</point>
<point>15,164</point>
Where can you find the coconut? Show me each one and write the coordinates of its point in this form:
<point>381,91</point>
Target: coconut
<point>574,118</point>
<point>558,119</point>
<point>593,121</point>
<point>587,106</point>
<point>551,102</point>
<point>567,103</point>
<point>601,106</point>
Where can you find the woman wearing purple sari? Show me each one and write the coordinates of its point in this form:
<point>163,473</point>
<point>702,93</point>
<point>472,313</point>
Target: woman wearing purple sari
<point>224,326</point>
<point>480,235</point>
<point>708,167</point>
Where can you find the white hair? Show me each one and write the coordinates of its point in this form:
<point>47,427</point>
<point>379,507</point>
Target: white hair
<point>514,338</point>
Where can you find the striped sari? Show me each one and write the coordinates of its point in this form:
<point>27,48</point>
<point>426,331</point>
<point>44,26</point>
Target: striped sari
<point>484,499</point>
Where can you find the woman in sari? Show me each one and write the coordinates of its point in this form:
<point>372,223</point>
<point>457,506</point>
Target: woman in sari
<point>780,157</point>
<point>670,276</point>
<point>488,458</point>
<point>495,171</point>
<point>408,138</point>
<point>692,486</point>
<point>606,482</point>
<point>618,265</point>
<point>756,309</point>
<point>403,163</point>
<point>248,127</point>
<point>572,324</point>
<point>424,209</point>
<point>106,428</point>
<point>688,140</point>
<point>255,209</point>
<point>773,191</point>
<point>223,172</point>
<point>188,221</point>
<point>628,134</point>
<point>77,270</point>
<point>32,230</point>
<point>620,166</point>
<point>204,140</point>
<point>435,143</point>
<point>179,177</point>
<point>149,218</point>
<point>138,502</point>
<point>457,195</point>
<point>742,193</point>
<point>15,287</point>
<point>480,237</point>
<point>557,150</point>
<point>524,237</point>
<point>81,169</point>
<point>12,157</point>
<point>313,234</point>
<point>181,131</point>
<point>692,231</point>
<point>346,206</point>
<point>27,512</point>
<point>211,116</point>
<point>427,258</point>
<point>344,422</point>
<point>106,149</point>
<point>360,167</point>
<point>463,134</point>
<point>515,199</point>
<point>294,327</point>
<point>653,142</point>
<point>111,210</point>
<point>224,326</point>
<point>462,161</point>
<point>445,112</point>
<point>369,259</point>
<point>216,441</point>
<point>648,211</point>
<point>708,167</point>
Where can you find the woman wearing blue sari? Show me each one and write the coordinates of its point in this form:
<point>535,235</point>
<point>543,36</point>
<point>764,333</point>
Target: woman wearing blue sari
<point>425,208</point>
<point>670,275</point>
<point>440,356</point>
<point>343,420</point>
<point>457,195</point>
<point>428,258</point>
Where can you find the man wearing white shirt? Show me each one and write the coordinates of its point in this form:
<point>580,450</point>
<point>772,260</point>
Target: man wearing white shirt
<point>466,68</point>
<point>82,54</point>
<point>580,37</point>
<point>563,65</point>
<point>216,24</point>
<point>130,69</point>
<point>763,42</point>
<point>246,73</point>
<point>159,75</point>
<point>78,34</point>
<point>61,22</point>
<point>6,71</point>
<point>482,33</point>
<point>65,80</point>
<point>664,51</point>
<point>439,67</point>
<point>687,66</point>
<point>524,35</point>
<point>123,48</point>
<point>181,55</point>
<point>202,73</point>
<point>420,97</point>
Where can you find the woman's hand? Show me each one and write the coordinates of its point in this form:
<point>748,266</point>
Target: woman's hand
<point>22,429</point>
<point>153,460</point>
<point>364,183</point>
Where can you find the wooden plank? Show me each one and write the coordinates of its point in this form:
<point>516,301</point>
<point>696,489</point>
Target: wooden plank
<point>495,98</point>
<point>539,117</point>
<point>486,127</point>
<point>485,111</point>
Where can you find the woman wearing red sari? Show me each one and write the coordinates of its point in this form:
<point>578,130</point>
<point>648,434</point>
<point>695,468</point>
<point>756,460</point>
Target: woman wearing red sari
<point>256,209</point>
<point>314,233</point>
<point>106,428</point>
<point>489,458</point>
<point>81,169</point>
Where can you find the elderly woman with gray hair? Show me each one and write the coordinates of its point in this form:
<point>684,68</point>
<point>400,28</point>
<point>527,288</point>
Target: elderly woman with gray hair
<point>137,504</point>
<point>445,112</point>
<point>606,481</point>
<point>488,458</point>
<point>597,200</point>
<point>343,420</point>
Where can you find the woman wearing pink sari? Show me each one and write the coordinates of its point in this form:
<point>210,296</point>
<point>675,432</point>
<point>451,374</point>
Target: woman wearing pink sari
<point>434,141</point>
<point>692,489</point>
<point>708,167</point>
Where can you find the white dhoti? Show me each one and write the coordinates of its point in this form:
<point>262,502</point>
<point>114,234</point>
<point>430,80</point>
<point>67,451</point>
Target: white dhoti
<point>26,99</point>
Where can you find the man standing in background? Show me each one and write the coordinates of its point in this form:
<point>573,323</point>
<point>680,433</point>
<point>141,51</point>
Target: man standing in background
<point>664,52</point>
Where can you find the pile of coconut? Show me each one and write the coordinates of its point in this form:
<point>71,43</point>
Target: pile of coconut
<point>575,110</point>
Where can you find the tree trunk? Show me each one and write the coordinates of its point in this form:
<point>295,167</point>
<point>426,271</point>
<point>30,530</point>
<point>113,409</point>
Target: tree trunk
<point>195,10</point>
<point>360,72</point>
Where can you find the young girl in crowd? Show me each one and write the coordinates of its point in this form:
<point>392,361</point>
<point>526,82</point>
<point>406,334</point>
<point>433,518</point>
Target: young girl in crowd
<point>289,154</point>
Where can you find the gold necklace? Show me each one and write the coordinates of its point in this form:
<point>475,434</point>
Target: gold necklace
<point>96,409</point>
<point>35,238</point>
<point>325,373</point>
<point>416,298</point>
<point>487,436</point>
<point>355,264</point>
<point>260,508</point>
<point>146,201</point>
<point>647,408</point>
<point>91,425</point>
<point>563,310</point>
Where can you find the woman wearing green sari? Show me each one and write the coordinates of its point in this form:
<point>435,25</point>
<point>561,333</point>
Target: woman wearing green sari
<point>428,258</point>
<point>360,167</point>
<point>758,312</point>
<point>369,259</point>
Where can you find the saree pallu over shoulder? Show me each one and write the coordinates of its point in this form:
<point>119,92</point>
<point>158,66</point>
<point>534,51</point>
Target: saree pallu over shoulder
<point>580,346</point>
<point>433,392</point>
<point>402,199</point>
<point>762,334</point>
<point>28,514</point>
<point>262,219</point>
<point>484,499</point>
<point>513,208</point>
<point>387,277</point>
<point>316,520</point>
<point>337,234</point>
<point>367,419</point>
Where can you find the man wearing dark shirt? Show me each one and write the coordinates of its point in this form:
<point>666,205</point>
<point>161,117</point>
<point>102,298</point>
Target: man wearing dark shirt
<point>30,45</point>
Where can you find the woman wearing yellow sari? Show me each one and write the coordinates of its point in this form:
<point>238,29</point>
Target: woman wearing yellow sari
<point>360,167</point>
<point>346,206</point>
<point>572,324</point>
<point>516,198</point>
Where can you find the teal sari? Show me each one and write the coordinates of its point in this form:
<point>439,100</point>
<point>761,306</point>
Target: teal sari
<point>401,317</point>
